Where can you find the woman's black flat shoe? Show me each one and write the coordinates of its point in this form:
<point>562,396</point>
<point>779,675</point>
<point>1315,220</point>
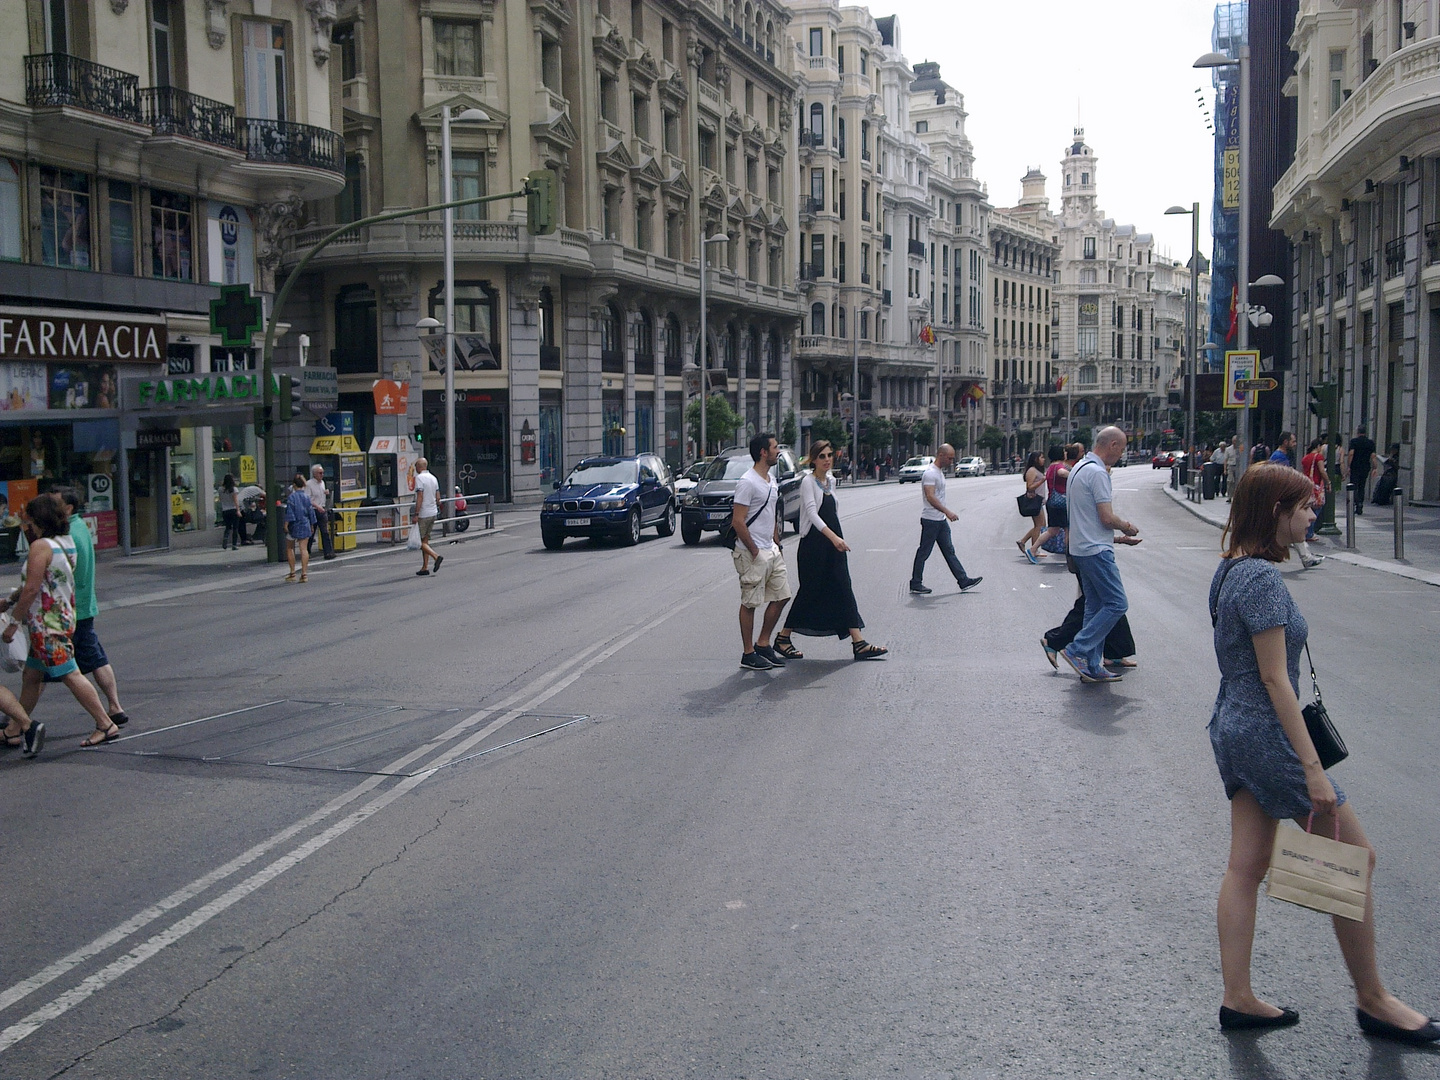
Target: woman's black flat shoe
<point>1374,1026</point>
<point>1232,1020</point>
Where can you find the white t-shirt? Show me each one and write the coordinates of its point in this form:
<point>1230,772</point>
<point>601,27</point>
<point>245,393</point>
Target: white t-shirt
<point>750,492</point>
<point>316,490</point>
<point>429,489</point>
<point>932,477</point>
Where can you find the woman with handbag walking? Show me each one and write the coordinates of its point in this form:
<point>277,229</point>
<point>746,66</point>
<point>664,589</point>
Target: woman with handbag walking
<point>1032,506</point>
<point>1272,757</point>
<point>825,605</point>
<point>1057,518</point>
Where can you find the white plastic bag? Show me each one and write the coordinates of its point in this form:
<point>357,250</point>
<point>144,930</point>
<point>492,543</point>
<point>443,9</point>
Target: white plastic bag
<point>412,538</point>
<point>14,655</point>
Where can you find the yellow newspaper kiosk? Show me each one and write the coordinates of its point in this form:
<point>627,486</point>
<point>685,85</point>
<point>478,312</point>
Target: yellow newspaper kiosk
<point>346,477</point>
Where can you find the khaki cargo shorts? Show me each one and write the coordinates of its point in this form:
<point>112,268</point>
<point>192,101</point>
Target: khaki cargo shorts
<point>762,579</point>
<point>426,524</point>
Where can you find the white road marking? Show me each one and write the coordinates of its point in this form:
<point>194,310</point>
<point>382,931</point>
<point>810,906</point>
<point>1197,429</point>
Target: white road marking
<point>543,688</point>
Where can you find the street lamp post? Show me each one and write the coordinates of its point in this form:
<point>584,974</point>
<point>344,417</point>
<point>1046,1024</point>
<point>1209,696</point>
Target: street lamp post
<point>718,238</point>
<point>447,193</point>
<point>1192,313</point>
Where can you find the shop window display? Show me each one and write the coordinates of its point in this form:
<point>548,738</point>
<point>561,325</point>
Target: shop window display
<point>232,448</point>
<point>183,506</point>
<point>37,458</point>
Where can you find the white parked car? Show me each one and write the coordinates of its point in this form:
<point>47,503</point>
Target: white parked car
<point>970,466</point>
<point>911,471</point>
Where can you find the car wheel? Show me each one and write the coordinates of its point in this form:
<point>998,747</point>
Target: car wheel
<point>553,540</point>
<point>689,533</point>
<point>666,525</point>
<point>632,528</point>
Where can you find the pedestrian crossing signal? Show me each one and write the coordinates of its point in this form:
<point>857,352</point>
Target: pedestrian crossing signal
<point>540,197</point>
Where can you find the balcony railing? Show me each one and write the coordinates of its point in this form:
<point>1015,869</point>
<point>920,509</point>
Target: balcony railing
<point>864,153</point>
<point>865,213</point>
<point>287,143</point>
<point>886,242</point>
<point>1394,257</point>
<point>58,79</point>
<point>917,247</point>
<point>1342,284</point>
<point>172,111</point>
<point>864,277</point>
<point>885,297</point>
<point>809,272</point>
<point>1319,292</point>
<point>1432,243</point>
<point>811,139</point>
<point>1367,273</point>
<point>812,206</point>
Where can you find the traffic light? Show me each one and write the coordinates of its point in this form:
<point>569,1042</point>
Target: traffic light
<point>540,193</point>
<point>1323,400</point>
<point>419,435</point>
<point>285,398</point>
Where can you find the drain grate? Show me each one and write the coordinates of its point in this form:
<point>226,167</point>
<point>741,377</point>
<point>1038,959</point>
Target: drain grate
<point>373,738</point>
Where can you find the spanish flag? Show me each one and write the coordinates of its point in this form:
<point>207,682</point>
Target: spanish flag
<point>927,335</point>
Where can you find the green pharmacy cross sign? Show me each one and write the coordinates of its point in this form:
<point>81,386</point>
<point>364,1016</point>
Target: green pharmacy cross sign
<point>237,316</point>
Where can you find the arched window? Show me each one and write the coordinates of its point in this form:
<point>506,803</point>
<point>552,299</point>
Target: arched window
<point>673,360</point>
<point>612,358</point>
<point>644,344</point>
<point>817,319</point>
<point>817,123</point>
<point>752,355</point>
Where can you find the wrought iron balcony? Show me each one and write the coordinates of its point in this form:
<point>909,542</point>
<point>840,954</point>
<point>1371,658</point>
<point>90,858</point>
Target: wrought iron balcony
<point>1342,284</point>
<point>1394,257</point>
<point>917,247</point>
<point>285,143</point>
<point>864,153</point>
<point>172,111</point>
<point>1319,292</point>
<point>1367,272</point>
<point>811,206</point>
<point>59,79</point>
<point>864,277</point>
<point>809,272</point>
<point>811,139</point>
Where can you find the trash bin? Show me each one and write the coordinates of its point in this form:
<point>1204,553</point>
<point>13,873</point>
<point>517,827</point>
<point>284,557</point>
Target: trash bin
<point>1210,480</point>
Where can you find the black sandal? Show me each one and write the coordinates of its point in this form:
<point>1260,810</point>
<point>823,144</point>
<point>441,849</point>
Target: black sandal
<point>787,650</point>
<point>105,734</point>
<point>865,651</point>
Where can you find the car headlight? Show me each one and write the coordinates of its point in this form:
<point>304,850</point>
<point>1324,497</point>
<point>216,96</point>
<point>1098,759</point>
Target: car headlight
<point>610,504</point>
<point>690,499</point>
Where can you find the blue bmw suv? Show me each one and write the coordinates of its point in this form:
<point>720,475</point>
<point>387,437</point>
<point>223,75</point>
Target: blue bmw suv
<point>610,497</point>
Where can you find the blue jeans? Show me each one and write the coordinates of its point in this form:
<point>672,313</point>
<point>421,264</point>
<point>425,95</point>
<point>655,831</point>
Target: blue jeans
<point>1105,603</point>
<point>932,533</point>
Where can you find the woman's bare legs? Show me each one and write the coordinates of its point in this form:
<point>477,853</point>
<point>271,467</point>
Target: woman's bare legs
<point>11,707</point>
<point>1252,834</point>
<point>1357,939</point>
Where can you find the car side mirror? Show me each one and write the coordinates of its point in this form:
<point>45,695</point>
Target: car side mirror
<point>555,484</point>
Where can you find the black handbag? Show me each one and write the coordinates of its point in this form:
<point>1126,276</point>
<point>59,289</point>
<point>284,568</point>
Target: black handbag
<point>1329,746</point>
<point>729,537</point>
<point>1029,504</point>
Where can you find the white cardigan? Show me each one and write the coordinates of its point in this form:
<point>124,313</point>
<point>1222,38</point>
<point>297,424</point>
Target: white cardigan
<point>811,494</point>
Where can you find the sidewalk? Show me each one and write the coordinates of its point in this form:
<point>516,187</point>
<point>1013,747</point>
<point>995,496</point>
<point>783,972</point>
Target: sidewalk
<point>1374,537</point>
<point>166,575</point>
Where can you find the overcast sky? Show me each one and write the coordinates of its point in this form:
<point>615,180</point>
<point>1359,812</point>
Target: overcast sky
<point>1025,69</point>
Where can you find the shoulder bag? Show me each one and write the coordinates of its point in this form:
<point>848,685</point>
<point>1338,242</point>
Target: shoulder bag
<point>1030,504</point>
<point>728,535</point>
<point>1329,746</point>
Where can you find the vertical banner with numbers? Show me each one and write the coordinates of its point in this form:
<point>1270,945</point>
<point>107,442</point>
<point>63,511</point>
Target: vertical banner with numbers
<point>1240,365</point>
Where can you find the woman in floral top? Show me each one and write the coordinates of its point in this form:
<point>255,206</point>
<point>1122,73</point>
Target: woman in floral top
<point>49,576</point>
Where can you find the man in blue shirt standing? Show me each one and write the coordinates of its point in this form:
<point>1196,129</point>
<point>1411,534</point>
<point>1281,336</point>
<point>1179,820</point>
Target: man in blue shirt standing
<point>1093,525</point>
<point>1285,453</point>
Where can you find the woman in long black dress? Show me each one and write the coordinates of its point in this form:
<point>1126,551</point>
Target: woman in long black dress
<point>825,605</point>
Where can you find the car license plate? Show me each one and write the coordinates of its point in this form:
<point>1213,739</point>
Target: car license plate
<point>577,521</point>
<point>717,515</point>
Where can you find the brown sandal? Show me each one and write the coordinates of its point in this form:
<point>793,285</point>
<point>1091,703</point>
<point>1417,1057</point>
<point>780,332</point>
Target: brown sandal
<point>109,734</point>
<point>787,650</point>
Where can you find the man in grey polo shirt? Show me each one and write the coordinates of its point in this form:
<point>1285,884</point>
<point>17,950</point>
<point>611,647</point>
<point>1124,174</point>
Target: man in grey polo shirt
<point>1093,525</point>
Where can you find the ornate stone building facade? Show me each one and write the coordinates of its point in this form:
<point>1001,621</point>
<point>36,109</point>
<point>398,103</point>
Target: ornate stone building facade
<point>665,121</point>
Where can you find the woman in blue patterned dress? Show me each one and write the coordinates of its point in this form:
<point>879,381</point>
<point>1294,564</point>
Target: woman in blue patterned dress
<point>1265,756</point>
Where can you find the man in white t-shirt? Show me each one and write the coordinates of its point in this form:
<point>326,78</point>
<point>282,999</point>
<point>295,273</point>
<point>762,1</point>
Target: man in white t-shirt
<point>427,508</point>
<point>315,488</point>
<point>935,518</point>
<point>757,555</point>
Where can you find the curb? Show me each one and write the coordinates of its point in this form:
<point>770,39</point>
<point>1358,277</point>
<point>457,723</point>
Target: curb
<point>268,574</point>
<point>1350,558</point>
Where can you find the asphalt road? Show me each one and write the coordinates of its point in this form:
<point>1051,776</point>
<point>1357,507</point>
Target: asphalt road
<point>956,863</point>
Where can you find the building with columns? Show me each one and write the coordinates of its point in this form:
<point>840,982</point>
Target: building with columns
<point>957,258</point>
<point>1106,337</point>
<point>1360,206</point>
<point>665,122</point>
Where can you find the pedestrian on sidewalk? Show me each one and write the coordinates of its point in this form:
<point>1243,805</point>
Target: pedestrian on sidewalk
<point>1232,465</point>
<point>1218,460</point>
<point>252,512</point>
<point>1259,453</point>
<point>46,605</point>
<point>825,605</point>
<point>427,509</point>
<point>935,518</point>
<point>757,556</point>
<point>1384,493</point>
<point>230,514</point>
<point>315,488</point>
<point>89,653</point>
<point>1266,759</point>
<point>299,524</point>
<point>1313,466</point>
<point>1034,498</point>
<point>1360,459</point>
<point>1093,525</point>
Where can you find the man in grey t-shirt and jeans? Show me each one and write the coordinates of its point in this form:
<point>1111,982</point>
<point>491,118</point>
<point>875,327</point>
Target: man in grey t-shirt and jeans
<point>1091,538</point>
<point>757,555</point>
<point>935,518</point>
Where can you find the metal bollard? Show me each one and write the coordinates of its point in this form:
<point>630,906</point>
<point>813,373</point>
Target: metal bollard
<point>1349,517</point>
<point>1399,505</point>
